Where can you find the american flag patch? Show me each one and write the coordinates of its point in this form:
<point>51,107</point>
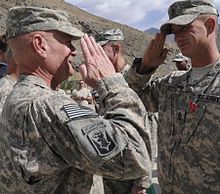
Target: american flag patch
<point>75,111</point>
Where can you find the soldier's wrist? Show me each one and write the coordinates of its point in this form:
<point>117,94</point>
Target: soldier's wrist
<point>137,64</point>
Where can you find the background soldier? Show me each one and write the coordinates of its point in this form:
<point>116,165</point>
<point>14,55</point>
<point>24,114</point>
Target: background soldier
<point>182,62</point>
<point>112,42</point>
<point>7,82</point>
<point>3,59</point>
<point>83,95</point>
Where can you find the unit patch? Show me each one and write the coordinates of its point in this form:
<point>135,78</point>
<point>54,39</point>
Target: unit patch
<point>99,138</point>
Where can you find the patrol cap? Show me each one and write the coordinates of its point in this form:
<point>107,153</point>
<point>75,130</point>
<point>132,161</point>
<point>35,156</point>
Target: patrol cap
<point>179,58</point>
<point>109,35</point>
<point>21,20</point>
<point>186,11</point>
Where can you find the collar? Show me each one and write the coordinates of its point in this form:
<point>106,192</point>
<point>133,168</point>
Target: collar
<point>34,80</point>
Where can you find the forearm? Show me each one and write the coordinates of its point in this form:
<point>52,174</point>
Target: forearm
<point>146,89</point>
<point>115,95</point>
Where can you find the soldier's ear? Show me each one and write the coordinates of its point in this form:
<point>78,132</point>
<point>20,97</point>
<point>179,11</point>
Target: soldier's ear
<point>116,48</point>
<point>40,45</point>
<point>210,25</point>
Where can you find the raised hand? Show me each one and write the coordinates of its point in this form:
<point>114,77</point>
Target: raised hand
<point>154,54</point>
<point>97,64</point>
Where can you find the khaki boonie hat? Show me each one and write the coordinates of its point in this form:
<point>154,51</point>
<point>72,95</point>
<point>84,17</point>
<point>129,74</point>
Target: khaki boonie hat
<point>185,12</point>
<point>21,20</point>
<point>110,35</point>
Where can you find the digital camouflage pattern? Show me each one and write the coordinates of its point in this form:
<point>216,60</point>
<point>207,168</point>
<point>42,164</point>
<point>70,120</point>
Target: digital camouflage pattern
<point>185,12</point>
<point>188,128</point>
<point>124,187</point>
<point>52,145</point>
<point>6,85</point>
<point>21,20</point>
<point>110,35</point>
<point>125,69</point>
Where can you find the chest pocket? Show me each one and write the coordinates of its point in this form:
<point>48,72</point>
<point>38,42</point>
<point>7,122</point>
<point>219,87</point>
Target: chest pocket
<point>171,103</point>
<point>206,123</point>
<point>202,139</point>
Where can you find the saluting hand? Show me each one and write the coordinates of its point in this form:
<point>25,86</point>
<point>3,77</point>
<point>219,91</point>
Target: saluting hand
<point>97,64</point>
<point>154,54</point>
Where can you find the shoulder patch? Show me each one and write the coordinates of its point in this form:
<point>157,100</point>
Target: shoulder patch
<point>102,142</point>
<point>99,138</point>
<point>75,111</point>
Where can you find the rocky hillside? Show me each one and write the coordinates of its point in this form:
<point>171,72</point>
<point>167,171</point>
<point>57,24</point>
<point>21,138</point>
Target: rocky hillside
<point>135,40</point>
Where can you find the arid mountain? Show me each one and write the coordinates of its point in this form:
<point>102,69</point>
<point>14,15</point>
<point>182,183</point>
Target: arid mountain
<point>135,40</point>
<point>153,31</point>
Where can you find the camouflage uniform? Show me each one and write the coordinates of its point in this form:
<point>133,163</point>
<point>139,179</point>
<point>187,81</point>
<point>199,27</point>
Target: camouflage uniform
<point>54,146</point>
<point>125,69</point>
<point>124,187</point>
<point>188,128</point>
<point>6,85</point>
<point>116,186</point>
<point>188,108</point>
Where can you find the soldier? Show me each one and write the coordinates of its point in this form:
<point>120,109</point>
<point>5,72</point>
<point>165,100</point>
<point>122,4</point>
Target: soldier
<point>182,62</point>
<point>83,95</point>
<point>7,82</point>
<point>6,85</point>
<point>113,45</point>
<point>51,144</point>
<point>187,101</point>
<point>3,62</point>
<point>112,42</point>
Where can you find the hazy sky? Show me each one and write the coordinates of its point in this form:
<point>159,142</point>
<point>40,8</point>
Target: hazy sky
<point>140,14</point>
